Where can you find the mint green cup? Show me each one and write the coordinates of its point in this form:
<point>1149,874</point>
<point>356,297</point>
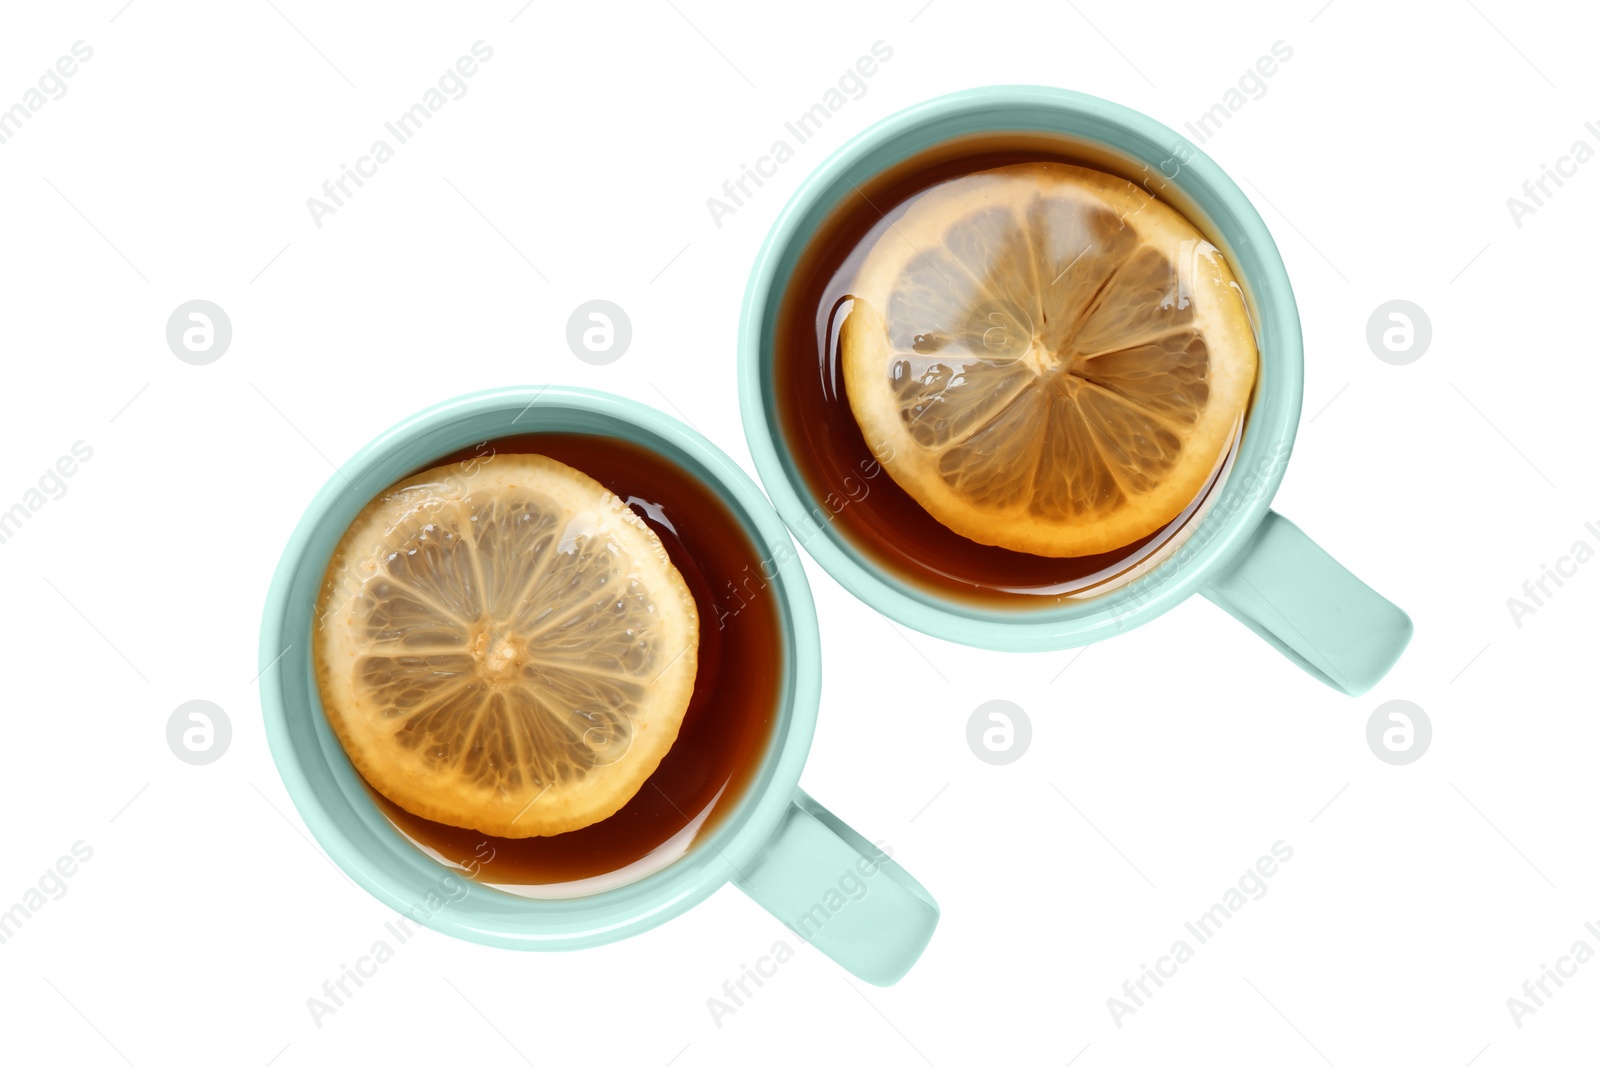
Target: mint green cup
<point>1240,554</point>
<point>831,886</point>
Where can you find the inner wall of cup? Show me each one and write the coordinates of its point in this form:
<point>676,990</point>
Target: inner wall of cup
<point>333,779</point>
<point>1171,167</point>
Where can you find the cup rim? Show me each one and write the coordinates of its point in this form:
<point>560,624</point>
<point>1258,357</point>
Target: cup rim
<point>1269,434</point>
<point>359,838</point>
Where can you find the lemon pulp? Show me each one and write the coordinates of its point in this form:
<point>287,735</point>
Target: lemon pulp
<point>505,647</point>
<point>1047,358</point>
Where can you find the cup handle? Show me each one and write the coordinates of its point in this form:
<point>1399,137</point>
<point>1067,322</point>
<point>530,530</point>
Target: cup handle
<point>1311,609</point>
<point>843,894</point>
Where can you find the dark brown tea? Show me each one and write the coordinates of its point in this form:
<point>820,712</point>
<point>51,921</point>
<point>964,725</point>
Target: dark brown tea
<point>729,723</point>
<point>863,503</point>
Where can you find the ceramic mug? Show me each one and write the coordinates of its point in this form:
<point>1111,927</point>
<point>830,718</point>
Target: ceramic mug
<point>829,884</point>
<point>1239,553</point>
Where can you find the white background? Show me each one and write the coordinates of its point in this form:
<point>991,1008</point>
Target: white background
<point>1163,763</point>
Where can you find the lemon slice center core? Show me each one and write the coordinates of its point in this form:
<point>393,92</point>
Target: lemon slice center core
<point>500,658</point>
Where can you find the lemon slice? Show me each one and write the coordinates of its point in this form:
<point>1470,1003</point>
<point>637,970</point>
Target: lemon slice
<point>506,648</point>
<point>1048,358</point>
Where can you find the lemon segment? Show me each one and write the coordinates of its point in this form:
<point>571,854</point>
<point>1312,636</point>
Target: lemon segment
<point>508,648</point>
<point>1050,359</point>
